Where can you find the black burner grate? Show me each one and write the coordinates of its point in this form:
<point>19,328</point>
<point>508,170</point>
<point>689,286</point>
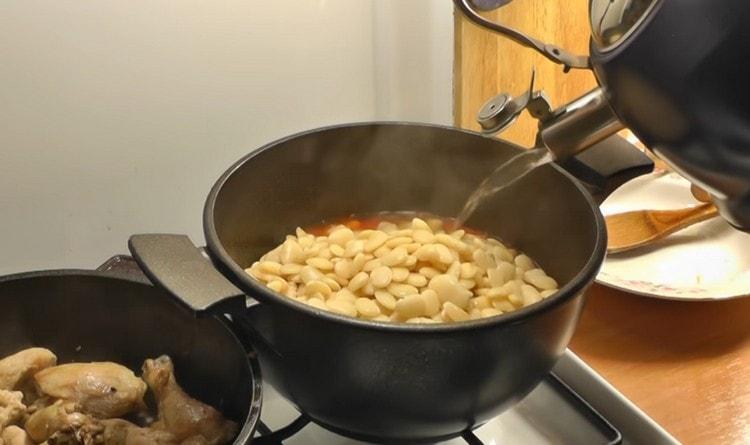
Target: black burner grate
<point>266,436</point>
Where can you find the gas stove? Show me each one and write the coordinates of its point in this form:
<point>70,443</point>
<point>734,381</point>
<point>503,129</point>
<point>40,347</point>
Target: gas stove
<point>573,405</point>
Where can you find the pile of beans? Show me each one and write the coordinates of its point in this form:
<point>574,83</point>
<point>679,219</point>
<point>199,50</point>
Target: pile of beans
<point>409,271</point>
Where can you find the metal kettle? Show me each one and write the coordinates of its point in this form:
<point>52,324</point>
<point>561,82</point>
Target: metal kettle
<point>672,71</point>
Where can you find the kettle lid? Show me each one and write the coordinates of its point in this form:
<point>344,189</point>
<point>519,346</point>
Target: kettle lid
<point>614,20</point>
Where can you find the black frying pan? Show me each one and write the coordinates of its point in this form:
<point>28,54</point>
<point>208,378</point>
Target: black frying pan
<point>84,315</point>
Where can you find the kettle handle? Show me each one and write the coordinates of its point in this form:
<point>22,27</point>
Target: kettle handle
<point>607,165</point>
<point>548,50</point>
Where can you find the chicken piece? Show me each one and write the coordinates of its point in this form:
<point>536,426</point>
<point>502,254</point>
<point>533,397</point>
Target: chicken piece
<point>179,413</point>
<point>19,367</point>
<point>14,435</point>
<point>61,416</point>
<point>122,432</point>
<point>195,440</point>
<point>12,408</point>
<point>102,389</point>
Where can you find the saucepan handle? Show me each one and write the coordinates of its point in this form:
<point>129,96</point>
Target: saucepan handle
<point>176,264</point>
<point>607,165</point>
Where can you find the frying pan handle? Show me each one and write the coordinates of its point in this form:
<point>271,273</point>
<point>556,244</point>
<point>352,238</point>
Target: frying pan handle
<point>607,165</point>
<point>176,264</point>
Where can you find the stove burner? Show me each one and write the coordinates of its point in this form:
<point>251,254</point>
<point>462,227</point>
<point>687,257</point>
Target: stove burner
<point>266,436</point>
<point>278,437</point>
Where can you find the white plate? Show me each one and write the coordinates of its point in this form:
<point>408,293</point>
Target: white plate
<point>707,261</point>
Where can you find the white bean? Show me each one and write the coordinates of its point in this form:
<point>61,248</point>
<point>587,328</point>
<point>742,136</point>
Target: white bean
<point>431,302</point>
<point>454,270</point>
<point>411,306</point>
<point>317,303</point>
<point>341,236</point>
<point>358,281</point>
<point>429,272</point>
<point>381,251</point>
<point>503,306</point>
<point>443,254</point>
<point>400,274</point>
<point>386,299</point>
<point>395,242</point>
<point>468,284</point>
<point>480,302</point>
<point>420,224</point>
<point>343,269</point>
<point>376,240</point>
<point>501,274</point>
<point>271,267</point>
<point>290,269</point>
<point>524,262</point>
<point>320,263</point>
<point>309,273</point>
<point>291,252</point>
<point>367,307</point>
<point>449,241</point>
<point>548,293</point>
<point>416,280</point>
<point>394,257</point>
<point>411,271</point>
<point>423,236</point>
<point>539,279</point>
<point>468,271</point>
<point>401,290</point>
<point>337,250</point>
<point>330,282</point>
<point>490,312</point>
<point>530,294</point>
<point>345,294</point>
<point>454,313</point>
<point>353,247</point>
<point>410,261</point>
<point>342,307</point>
<point>368,289</point>
<point>279,286</point>
<point>381,277</point>
<point>372,265</point>
<point>448,290</point>
<point>316,286</point>
<point>483,259</point>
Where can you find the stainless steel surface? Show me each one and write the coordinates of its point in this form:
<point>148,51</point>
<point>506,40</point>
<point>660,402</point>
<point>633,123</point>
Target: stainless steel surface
<point>580,124</point>
<point>540,106</point>
<point>496,114</point>
<point>612,21</point>
<point>636,427</point>
<point>550,51</point>
<point>501,111</point>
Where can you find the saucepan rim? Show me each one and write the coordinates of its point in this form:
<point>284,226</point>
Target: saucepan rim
<point>266,296</point>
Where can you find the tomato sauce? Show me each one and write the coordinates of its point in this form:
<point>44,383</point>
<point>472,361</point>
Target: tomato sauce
<point>371,222</point>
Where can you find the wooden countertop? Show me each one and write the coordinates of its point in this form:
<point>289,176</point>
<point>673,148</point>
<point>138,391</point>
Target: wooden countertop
<point>686,364</point>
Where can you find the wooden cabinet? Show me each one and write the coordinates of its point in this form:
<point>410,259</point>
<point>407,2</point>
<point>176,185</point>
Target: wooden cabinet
<point>486,64</point>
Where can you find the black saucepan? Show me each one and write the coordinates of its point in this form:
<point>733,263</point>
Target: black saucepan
<point>394,382</point>
<point>103,316</point>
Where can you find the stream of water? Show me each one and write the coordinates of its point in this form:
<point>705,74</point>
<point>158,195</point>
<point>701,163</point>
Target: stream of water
<point>506,174</point>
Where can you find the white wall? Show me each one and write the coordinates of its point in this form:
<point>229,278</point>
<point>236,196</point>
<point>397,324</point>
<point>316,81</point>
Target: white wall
<point>413,60</point>
<point>116,116</point>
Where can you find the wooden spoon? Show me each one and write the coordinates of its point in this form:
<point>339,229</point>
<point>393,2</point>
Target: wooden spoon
<point>635,229</point>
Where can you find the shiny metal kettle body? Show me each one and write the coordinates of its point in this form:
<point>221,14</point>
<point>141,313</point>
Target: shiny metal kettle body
<point>673,72</point>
